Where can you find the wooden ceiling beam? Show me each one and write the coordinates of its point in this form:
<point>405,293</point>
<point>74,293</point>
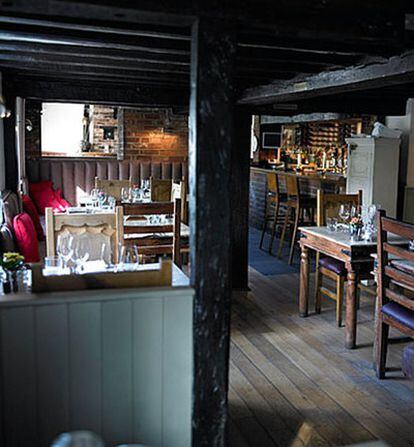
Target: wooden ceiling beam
<point>107,75</point>
<point>101,53</point>
<point>89,63</point>
<point>393,71</point>
<point>169,33</point>
<point>148,46</point>
<point>32,88</point>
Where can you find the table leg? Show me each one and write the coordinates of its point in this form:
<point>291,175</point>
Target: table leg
<point>351,309</point>
<point>304,282</point>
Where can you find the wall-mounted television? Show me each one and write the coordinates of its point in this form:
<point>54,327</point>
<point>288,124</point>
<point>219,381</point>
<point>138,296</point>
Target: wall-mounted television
<point>271,140</point>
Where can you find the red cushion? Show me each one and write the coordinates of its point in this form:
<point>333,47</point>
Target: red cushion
<point>25,235</point>
<point>63,203</point>
<point>30,208</point>
<point>44,196</point>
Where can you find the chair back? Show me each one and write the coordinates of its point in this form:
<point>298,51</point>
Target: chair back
<point>152,239</point>
<point>11,205</point>
<point>272,183</point>
<point>395,262</point>
<point>102,228</point>
<point>179,191</point>
<point>113,187</point>
<point>327,205</point>
<point>291,187</point>
<point>160,190</point>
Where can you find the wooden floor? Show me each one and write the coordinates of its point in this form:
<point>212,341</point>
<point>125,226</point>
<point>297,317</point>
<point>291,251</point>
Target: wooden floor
<point>293,383</point>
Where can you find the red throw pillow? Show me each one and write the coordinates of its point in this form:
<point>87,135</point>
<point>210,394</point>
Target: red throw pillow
<point>64,204</point>
<point>30,208</point>
<point>25,235</point>
<point>44,196</point>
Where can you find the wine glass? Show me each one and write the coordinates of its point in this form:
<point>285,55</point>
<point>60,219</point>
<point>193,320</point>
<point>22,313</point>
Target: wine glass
<point>128,258</point>
<point>81,251</point>
<point>344,213</point>
<point>136,195</point>
<point>111,202</point>
<point>102,197</point>
<point>64,248</point>
<point>94,197</point>
<point>125,194</point>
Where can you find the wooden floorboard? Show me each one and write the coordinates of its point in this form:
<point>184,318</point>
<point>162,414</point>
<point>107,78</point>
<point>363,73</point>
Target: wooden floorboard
<point>293,383</point>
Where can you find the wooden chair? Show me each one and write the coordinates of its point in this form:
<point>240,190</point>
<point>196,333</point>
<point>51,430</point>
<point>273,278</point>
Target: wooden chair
<point>102,227</point>
<point>395,293</point>
<point>274,201</point>
<point>160,190</point>
<point>179,191</point>
<point>297,204</point>
<point>113,187</point>
<point>147,237</point>
<point>328,207</point>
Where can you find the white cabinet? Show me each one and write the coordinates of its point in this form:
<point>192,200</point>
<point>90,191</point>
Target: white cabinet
<point>373,165</point>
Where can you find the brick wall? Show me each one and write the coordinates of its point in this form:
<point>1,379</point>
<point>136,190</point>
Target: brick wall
<point>145,137</point>
<point>104,116</point>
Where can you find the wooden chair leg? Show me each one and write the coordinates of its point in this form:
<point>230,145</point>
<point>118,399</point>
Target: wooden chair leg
<point>282,236</point>
<point>318,285</point>
<point>295,230</point>
<point>381,345</point>
<point>340,282</point>
<point>263,232</point>
<point>275,222</point>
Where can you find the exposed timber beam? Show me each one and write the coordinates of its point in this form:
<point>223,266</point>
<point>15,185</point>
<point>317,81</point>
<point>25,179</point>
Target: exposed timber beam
<point>91,93</point>
<point>148,46</point>
<point>97,53</point>
<point>126,66</point>
<point>110,74</point>
<point>170,33</point>
<point>393,71</point>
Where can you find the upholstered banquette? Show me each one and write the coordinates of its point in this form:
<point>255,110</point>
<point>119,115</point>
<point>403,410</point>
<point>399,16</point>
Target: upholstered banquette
<point>76,177</point>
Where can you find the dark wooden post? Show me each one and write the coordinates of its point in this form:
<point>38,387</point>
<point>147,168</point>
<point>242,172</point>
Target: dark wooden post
<point>210,149</point>
<point>240,177</point>
<point>10,143</point>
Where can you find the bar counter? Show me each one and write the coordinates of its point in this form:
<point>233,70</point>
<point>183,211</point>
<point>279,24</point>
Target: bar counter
<point>309,184</point>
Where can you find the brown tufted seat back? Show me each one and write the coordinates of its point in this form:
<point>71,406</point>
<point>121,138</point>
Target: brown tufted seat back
<point>74,176</point>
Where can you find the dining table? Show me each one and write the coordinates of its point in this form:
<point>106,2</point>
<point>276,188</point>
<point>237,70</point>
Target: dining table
<point>356,256</point>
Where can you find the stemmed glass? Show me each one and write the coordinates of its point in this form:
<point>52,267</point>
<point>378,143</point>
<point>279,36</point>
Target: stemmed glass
<point>136,194</point>
<point>64,248</point>
<point>111,202</point>
<point>128,258</point>
<point>81,252</point>
<point>344,213</point>
<point>102,197</point>
<point>125,194</point>
<point>94,197</point>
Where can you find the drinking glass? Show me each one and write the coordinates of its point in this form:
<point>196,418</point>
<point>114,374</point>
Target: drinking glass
<point>102,197</point>
<point>128,258</point>
<point>125,194</point>
<point>332,223</point>
<point>64,248</point>
<point>344,213</point>
<point>81,252</point>
<point>53,263</point>
<point>112,202</point>
<point>94,197</point>
<point>136,195</point>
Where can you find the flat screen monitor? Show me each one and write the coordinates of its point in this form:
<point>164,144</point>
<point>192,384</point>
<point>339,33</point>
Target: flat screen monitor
<point>270,140</point>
